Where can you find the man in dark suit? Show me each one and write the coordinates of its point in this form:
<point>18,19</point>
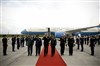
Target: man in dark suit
<point>46,39</point>
<point>38,44</point>
<point>82,43</point>
<point>53,44</point>
<point>30,42</point>
<point>13,43</point>
<point>70,44</point>
<point>4,41</point>
<point>62,45</point>
<point>92,44</point>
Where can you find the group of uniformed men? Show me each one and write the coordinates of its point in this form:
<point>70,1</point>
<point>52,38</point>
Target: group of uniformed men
<point>30,42</point>
<point>18,40</point>
<point>88,40</point>
<point>70,40</point>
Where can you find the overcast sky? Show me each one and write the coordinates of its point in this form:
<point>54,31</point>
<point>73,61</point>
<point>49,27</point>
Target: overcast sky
<point>17,15</point>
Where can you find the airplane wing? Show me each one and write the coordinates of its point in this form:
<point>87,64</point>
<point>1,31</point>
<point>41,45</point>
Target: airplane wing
<point>80,29</point>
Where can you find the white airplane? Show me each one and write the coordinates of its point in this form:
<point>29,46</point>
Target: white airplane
<point>62,31</point>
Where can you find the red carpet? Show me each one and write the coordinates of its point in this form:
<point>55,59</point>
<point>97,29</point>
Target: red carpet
<point>56,60</point>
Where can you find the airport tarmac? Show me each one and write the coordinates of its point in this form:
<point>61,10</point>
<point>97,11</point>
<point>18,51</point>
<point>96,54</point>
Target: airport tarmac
<point>20,58</point>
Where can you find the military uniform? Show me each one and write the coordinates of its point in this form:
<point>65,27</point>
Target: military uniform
<point>4,41</point>
<point>53,44</point>
<point>70,44</point>
<point>13,43</point>
<point>92,45</point>
<point>62,45</point>
<point>82,43</point>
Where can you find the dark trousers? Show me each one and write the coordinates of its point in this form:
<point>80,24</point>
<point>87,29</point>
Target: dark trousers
<point>22,43</point>
<point>13,47</point>
<point>92,50</point>
<point>45,50</point>
<point>18,45</point>
<point>30,50</point>
<point>38,49</point>
<point>70,50</point>
<point>62,50</point>
<point>4,50</point>
<point>52,50</point>
<point>78,46</point>
<point>82,48</point>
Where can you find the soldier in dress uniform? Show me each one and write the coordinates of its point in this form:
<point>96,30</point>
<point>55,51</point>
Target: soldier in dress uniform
<point>92,44</point>
<point>53,44</point>
<point>82,43</point>
<point>18,42</point>
<point>71,45</point>
<point>13,43</point>
<point>4,41</point>
<point>62,45</point>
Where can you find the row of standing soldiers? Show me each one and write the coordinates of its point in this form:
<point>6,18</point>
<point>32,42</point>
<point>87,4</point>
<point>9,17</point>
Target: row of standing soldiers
<point>80,41</point>
<point>88,40</point>
<point>30,41</point>
<point>20,43</point>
